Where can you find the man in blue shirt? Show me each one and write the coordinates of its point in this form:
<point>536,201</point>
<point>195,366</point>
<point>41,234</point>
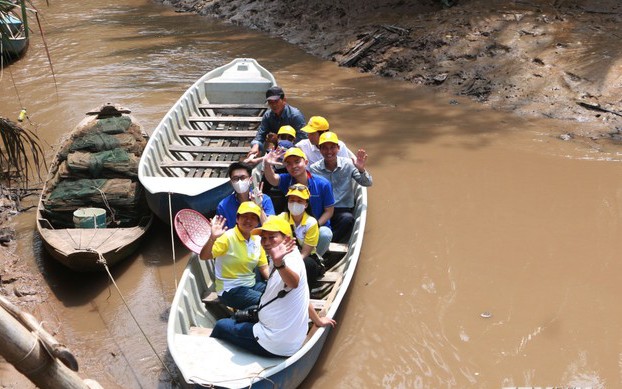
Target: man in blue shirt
<point>240,175</point>
<point>280,114</point>
<point>321,201</point>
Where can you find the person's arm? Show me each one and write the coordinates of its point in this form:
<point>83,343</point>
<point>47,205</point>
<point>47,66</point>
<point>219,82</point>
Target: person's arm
<point>326,215</point>
<point>217,229</point>
<point>320,321</point>
<point>278,253</point>
<point>264,271</point>
<point>306,250</point>
<point>360,175</point>
<point>312,237</point>
<point>269,172</point>
<point>260,137</point>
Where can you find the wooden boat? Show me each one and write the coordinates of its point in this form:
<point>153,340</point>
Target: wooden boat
<point>185,162</point>
<point>207,362</point>
<point>13,32</point>
<point>95,167</point>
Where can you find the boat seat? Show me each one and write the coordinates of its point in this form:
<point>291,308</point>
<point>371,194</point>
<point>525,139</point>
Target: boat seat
<point>195,164</point>
<point>330,276</point>
<point>216,134</point>
<point>338,247</point>
<point>318,304</point>
<point>232,106</point>
<point>200,331</point>
<point>225,119</point>
<point>217,308</point>
<point>207,149</point>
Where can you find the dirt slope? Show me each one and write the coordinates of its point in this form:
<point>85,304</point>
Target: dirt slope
<point>556,58</point>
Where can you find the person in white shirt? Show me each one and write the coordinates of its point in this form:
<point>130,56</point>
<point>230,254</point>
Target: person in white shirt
<point>284,309</point>
<point>315,128</point>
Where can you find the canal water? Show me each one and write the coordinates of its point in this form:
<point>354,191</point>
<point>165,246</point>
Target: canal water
<point>491,254</point>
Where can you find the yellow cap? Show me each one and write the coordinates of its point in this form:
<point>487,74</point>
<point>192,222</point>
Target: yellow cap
<point>299,190</point>
<point>249,207</point>
<point>296,152</point>
<point>288,130</point>
<point>316,123</point>
<point>328,137</point>
<point>274,223</point>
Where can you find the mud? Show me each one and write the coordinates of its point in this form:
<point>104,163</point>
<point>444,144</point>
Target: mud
<point>555,59</point>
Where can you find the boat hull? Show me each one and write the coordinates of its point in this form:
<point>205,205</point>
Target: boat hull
<point>166,205</point>
<point>203,361</point>
<point>89,249</point>
<point>13,39</point>
<point>189,151</point>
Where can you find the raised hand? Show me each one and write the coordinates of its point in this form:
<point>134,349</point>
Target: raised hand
<point>273,157</point>
<point>218,226</point>
<point>360,160</point>
<point>278,252</point>
<point>256,194</point>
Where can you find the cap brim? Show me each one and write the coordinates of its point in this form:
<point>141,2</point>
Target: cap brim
<point>308,129</point>
<point>273,98</point>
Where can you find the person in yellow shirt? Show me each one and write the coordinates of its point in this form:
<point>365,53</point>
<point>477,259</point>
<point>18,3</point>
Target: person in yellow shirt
<point>306,230</point>
<point>237,253</point>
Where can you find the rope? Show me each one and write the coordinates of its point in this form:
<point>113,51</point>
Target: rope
<point>102,261</point>
<point>106,204</point>
<point>170,218</point>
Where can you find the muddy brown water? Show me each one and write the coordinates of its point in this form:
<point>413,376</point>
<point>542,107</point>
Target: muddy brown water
<point>491,254</point>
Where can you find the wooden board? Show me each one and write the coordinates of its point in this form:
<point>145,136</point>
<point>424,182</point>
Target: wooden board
<point>217,134</point>
<point>225,119</point>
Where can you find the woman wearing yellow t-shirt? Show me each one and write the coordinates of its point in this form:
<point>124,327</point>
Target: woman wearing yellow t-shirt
<point>306,230</point>
<point>237,253</point>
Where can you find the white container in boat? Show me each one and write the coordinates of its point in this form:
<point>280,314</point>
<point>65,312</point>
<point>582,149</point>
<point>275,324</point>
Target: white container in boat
<point>89,218</point>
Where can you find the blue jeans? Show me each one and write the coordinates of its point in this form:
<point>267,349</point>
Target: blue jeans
<point>243,297</point>
<point>239,334</point>
<point>326,235</point>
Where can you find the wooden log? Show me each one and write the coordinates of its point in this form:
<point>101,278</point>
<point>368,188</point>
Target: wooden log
<point>25,351</point>
<point>55,348</point>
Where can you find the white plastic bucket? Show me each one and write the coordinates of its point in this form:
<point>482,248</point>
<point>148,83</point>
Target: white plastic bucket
<point>89,218</point>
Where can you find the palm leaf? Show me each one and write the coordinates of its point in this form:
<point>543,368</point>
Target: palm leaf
<point>20,153</point>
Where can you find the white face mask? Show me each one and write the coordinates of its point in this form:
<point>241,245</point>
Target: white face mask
<point>296,208</point>
<point>241,186</point>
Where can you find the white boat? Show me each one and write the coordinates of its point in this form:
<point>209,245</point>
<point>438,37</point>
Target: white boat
<point>207,362</point>
<point>213,123</point>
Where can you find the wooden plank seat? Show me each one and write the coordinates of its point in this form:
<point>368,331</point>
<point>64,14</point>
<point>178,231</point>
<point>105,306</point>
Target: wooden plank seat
<point>217,134</point>
<point>233,106</point>
<point>225,119</point>
<point>207,149</point>
<point>194,164</point>
<point>338,247</point>
<point>318,305</point>
<point>330,276</point>
<point>213,304</point>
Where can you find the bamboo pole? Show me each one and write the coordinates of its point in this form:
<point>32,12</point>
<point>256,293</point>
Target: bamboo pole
<point>24,351</point>
<point>24,17</point>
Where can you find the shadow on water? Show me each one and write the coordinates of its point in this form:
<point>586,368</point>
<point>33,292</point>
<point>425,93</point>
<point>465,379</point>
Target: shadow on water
<point>75,288</point>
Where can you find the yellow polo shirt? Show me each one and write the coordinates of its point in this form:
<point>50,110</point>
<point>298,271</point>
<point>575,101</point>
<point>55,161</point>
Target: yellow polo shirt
<point>236,259</point>
<point>307,232</point>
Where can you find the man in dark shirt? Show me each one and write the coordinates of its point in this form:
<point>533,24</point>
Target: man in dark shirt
<point>280,114</point>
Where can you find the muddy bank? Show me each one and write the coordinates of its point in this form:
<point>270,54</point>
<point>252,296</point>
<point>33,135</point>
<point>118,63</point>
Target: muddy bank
<point>556,59</point>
